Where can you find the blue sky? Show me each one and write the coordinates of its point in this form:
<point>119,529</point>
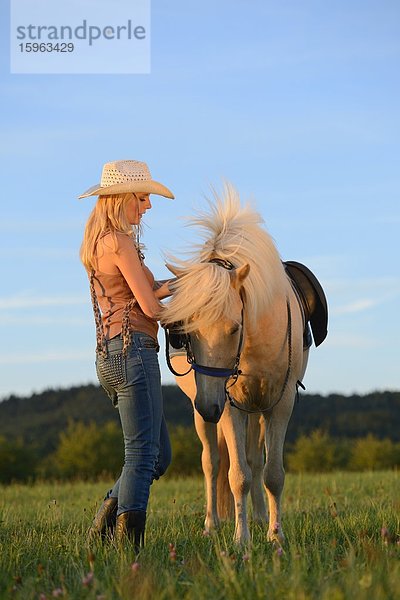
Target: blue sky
<point>296,103</point>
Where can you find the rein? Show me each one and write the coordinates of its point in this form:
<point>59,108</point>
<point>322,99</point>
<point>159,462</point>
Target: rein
<point>235,371</point>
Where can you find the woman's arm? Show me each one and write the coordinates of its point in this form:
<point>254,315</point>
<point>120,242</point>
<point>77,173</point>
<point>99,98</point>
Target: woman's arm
<point>127,261</point>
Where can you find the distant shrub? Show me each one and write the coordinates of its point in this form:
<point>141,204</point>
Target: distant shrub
<point>17,462</point>
<point>91,451</point>
<point>370,453</point>
<point>186,452</point>
<point>88,451</point>
<point>318,452</point>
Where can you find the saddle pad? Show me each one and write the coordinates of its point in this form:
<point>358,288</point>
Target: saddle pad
<point>312,297</point>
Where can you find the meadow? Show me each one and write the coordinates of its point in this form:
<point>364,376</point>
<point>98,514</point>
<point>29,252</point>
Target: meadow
<point>342,541</point>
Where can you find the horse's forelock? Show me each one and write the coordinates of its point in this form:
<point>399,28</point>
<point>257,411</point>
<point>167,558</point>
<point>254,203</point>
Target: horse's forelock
<point>202,295</point>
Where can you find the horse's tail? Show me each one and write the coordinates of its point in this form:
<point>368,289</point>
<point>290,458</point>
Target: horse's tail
<point>225,502</point>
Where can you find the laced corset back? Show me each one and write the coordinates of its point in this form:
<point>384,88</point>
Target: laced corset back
<point>101,342</point>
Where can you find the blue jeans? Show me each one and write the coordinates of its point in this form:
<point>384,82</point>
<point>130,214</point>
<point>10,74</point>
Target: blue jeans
<point>133,383</point>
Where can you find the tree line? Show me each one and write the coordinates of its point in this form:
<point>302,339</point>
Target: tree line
<point>90,451</point>
<point>69,433</point>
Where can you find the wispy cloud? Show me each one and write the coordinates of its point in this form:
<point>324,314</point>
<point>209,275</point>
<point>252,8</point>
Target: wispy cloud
<point>40,226</point>
<point>46,357</point>
<point>355,307</point>
<point>363,284</point>
<point>40,253</point>
<point>350,340</point>
<point>18,320</point>
<point>25,301</point>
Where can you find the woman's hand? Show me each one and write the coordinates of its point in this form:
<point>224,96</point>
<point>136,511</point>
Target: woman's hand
<point>163,288</point>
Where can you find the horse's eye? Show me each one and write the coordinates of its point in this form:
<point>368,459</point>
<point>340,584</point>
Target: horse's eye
<point>234,330</point>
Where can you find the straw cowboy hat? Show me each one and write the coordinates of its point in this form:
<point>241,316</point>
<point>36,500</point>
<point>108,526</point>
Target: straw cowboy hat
<point>122,176</point>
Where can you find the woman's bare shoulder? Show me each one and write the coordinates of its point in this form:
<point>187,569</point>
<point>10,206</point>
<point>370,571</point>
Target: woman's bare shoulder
<point>115,242</point>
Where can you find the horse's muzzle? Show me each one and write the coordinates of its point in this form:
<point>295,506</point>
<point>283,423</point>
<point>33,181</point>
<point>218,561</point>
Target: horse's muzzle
<point>211,413</point>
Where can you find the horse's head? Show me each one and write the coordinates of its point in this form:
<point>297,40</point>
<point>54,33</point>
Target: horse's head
<point>215,345</point>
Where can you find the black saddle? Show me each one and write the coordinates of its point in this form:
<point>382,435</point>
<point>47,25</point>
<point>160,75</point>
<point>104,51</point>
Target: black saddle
<point>312,298</point>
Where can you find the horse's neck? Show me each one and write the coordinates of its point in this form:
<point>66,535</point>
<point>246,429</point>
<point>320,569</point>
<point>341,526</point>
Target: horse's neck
<point>267,330</point>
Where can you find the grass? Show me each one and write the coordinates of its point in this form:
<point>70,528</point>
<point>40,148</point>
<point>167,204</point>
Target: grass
<point>336,547</point>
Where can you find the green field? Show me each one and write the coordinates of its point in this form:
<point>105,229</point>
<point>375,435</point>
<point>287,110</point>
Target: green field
<point>333,523</point>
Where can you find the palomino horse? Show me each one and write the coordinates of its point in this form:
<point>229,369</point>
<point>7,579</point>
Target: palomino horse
<point>243,326</point>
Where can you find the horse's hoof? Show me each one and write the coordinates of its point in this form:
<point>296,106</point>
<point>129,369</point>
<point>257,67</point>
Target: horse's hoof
<point>210,527</point>
<point>276,535</point>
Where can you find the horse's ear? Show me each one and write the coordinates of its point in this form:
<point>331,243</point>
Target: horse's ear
<point>174,269</point>
<point>239,275</point>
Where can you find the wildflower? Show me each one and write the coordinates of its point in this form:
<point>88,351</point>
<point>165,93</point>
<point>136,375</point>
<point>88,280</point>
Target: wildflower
<point>245,557</point>
<point>172,556</point>
<point>88,579</point>
<point>57,593</point>
<point>206,533</point>
<point>42,596</point>
<point>279,551</point>
<point>135,566</point>
<point>276,527</point>
<point>384,533</point>
<point>388,537</point>
<point>172,552</point>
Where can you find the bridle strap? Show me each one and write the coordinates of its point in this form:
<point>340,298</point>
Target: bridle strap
<point>235,371</point>
<point>204,369</point>
<point>212,371</point>
<point>232,401</point>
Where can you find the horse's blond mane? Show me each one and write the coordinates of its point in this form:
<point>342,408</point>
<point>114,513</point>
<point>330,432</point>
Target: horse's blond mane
<point>203,293</point>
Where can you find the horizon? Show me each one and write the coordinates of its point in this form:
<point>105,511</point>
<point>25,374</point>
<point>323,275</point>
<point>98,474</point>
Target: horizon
<point>302,393</point>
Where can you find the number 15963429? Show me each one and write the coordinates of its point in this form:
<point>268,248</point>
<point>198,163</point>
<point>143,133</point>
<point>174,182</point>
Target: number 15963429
<point>46,47</point>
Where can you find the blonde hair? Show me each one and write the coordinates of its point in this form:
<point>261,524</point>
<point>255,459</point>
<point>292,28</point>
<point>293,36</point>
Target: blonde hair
<point>108,215</point>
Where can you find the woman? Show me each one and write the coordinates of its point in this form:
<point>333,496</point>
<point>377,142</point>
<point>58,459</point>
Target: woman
<point>126,304</point>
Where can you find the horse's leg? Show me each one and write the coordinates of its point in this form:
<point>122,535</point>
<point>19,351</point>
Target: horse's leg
<point>207,433</point>
<point>234,424</point>
<point>255,450</point>
<point>274,473</point>
<point>225,502</point>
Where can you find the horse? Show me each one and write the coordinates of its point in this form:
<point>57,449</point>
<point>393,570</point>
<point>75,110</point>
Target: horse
<point>243,328</point>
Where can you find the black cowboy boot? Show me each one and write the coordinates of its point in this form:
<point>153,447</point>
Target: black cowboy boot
<point>105,519</point>
<point>131,525</point>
